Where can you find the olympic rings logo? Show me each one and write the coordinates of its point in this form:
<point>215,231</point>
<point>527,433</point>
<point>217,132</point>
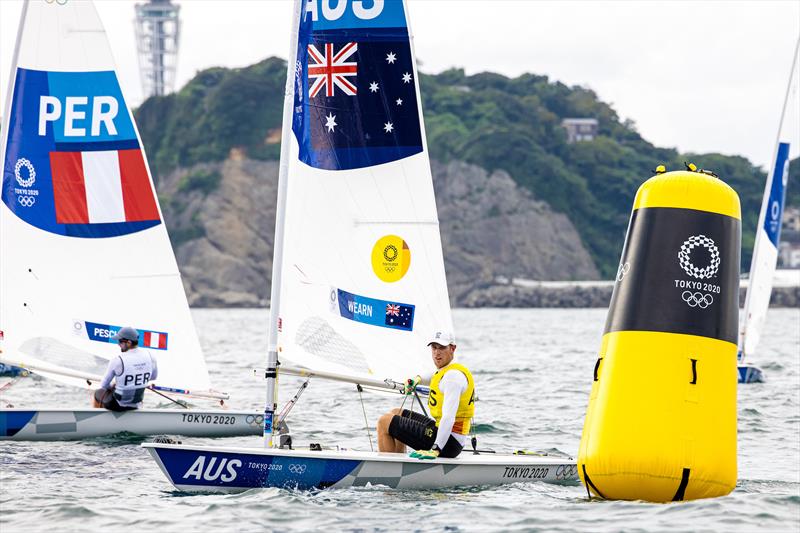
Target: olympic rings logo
<point>59,2</point>
<point>566,471</point>
<point>686,262</point>
<point>297,469</point>
<point>26,201</point>
<point>31,179</point>
<point>255,420</point>
<point>697,299</point>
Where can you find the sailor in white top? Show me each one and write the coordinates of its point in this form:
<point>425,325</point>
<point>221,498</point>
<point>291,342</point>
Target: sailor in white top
<point>452,385</point>
<point>451,403</point>
<point>131,373</point>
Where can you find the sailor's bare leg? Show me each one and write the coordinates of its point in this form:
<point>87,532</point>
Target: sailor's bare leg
<point>387,443</point>
<point>101,393</point>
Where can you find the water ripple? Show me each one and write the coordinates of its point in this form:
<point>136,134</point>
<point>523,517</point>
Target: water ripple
<point>534,399</point>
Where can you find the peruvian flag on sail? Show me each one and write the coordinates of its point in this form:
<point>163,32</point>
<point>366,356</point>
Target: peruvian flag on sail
<point>98,187</point>
<point>154,339</point>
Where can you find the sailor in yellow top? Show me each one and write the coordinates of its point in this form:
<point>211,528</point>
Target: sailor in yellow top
<point>451,404</point>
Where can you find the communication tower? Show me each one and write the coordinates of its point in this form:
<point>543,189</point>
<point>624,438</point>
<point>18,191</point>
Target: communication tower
<point>157,36</point>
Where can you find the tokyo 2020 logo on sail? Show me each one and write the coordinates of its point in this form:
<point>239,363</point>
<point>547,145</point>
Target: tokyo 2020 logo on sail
<point>391,258</point>
<point>31,179</point>
<point>26,196</point>
<point>73,163</point>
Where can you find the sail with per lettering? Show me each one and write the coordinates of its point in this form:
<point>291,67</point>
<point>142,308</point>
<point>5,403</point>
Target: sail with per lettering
<point>83,246</point>
<point>363,281</point>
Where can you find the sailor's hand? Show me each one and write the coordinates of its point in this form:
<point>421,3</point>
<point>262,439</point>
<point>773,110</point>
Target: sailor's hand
<point>410,385</point>
<point>425,454</point>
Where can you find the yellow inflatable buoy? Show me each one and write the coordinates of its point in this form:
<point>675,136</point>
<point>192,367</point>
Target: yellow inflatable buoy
<point>661,421</point>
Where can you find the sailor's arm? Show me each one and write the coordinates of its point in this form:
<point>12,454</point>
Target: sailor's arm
<point>154,372</point>
<point>452,385</point>
<point>114,369</point>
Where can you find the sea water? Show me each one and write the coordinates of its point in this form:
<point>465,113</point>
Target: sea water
<point>533,372</point>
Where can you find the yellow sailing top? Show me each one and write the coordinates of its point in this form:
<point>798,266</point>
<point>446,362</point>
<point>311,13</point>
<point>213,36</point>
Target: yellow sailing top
<point>466,402</point>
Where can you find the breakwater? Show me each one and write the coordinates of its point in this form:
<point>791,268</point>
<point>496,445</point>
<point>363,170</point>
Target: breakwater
<point>566,294</point>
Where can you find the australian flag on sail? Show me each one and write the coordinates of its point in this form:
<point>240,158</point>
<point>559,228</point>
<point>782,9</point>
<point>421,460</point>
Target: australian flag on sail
<point>375,312</point>
<point>355,87</point>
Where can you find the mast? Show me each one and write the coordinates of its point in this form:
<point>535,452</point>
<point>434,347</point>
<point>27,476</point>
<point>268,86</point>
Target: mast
<point>280,217</point>
<point>6,120</point>
<point>751,308</point>
<point>11,79</point>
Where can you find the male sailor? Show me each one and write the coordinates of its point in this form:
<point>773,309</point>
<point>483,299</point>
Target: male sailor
<point>451,404</point>
<point>131,372</point>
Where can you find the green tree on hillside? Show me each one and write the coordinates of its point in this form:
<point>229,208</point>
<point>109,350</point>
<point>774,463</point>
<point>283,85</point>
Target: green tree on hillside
<point>487,119</point>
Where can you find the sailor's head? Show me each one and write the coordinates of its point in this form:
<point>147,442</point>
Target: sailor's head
<point>127,338</point>
<point>443,347</point>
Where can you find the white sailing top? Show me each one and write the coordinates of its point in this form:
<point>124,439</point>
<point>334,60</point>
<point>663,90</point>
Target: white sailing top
<point>131,372</point>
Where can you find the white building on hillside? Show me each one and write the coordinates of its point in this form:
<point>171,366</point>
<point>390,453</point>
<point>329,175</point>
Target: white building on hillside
<point>580,129</point>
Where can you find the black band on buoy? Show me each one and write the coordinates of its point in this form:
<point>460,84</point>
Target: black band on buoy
<point>590,484</point>
<point>682,487</point>
<point>677,278</point>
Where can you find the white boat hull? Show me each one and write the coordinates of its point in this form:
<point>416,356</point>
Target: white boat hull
<point>74,424</point>
<point>223,469</point>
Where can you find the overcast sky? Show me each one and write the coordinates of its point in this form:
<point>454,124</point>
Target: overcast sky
<point>701,76</point>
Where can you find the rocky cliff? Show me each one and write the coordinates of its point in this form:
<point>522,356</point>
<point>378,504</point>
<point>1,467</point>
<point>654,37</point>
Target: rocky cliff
<point>492,227</point>
<point>221,220</point>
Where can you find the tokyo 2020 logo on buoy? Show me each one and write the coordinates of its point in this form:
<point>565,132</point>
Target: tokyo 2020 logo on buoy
<point>684,257</point>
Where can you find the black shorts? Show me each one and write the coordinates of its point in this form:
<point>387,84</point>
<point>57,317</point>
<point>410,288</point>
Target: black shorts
<point>107,399</point>
<point>419,432</point>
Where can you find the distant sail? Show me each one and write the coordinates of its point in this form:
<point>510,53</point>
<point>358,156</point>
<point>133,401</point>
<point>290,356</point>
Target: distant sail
<point>83,247</point>
<point>363,272</point>
<point>768,231</point>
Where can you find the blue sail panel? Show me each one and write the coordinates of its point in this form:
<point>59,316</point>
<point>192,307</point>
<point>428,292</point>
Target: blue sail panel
<point>355,102</point>
<point>73,163</point>
<point>777,194</point>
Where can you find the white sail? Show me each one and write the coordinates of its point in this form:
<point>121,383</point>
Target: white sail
<point>362,281</point>
<point>358,278</point>
<point>765,250</point>
<point>83,246</point>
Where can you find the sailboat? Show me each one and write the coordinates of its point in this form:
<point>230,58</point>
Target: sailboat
<point>768,232</point>
<point>358,279</point>
<point>83,246</point>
